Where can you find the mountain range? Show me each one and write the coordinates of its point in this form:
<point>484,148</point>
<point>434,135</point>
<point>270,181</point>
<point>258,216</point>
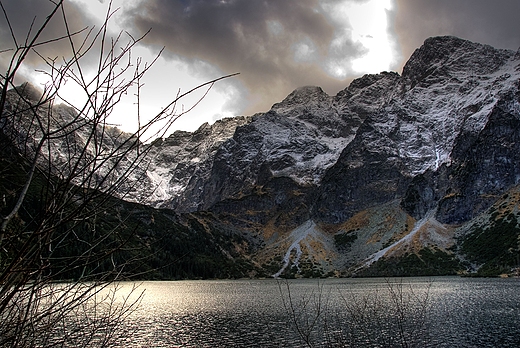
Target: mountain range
<point>415,173</point>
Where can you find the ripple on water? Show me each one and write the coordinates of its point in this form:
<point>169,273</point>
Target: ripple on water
<point>464,312</point>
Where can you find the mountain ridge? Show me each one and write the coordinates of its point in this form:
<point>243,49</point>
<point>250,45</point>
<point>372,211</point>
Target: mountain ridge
<point>389,171</point>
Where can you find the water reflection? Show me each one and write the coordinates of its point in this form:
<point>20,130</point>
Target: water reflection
<point>246,313</point>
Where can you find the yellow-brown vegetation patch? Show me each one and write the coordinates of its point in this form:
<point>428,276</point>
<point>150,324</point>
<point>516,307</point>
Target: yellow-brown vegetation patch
<point>269,230</point>
<point>358,221</point>
<point>506,206</point>
<point>388,224</point>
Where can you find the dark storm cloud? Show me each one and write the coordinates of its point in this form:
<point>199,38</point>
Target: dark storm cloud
<point>490,22</point>
<point>26,17</point>
<point>275,45</point>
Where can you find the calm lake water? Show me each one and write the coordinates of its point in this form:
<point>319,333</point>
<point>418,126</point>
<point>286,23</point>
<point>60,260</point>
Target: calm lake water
<point>423,312</point>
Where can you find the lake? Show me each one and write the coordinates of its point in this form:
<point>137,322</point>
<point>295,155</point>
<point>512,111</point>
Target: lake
<point>371,312</point>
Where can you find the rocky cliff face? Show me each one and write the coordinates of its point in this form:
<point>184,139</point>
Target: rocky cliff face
<point>441,141</point>
<point>391,165</point>
<point>299,138</point>
<point>380,132</point>
<point>183,162</point>
<point>450,94</point>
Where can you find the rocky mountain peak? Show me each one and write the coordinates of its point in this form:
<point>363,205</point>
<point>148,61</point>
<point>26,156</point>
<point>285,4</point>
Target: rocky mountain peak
<point>447,93</point>
<point>302,95</point>
<point>29,92</point>
<point>452,56</point>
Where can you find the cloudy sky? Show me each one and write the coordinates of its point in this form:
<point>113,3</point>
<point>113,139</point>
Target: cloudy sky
<point>275,45</point>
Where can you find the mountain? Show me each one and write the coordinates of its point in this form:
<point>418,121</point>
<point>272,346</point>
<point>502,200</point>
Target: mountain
<point>397,174</point>
<point>445,107</point>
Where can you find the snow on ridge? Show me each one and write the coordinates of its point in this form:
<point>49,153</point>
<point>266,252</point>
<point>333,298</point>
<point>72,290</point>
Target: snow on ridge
<point>161,185</point>
<point>311,171</point>
<point>438,113</point>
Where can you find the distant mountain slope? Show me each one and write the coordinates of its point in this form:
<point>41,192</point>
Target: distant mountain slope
<point>393,175</point>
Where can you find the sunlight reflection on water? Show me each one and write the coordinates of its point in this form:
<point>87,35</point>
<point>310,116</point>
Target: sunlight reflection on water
<point>247,313</point>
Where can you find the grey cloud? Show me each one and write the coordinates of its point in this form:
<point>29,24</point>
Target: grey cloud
<point>261,38</point>
<point>491,22</point>
<point>257,38</point>
<point>22,13</point>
